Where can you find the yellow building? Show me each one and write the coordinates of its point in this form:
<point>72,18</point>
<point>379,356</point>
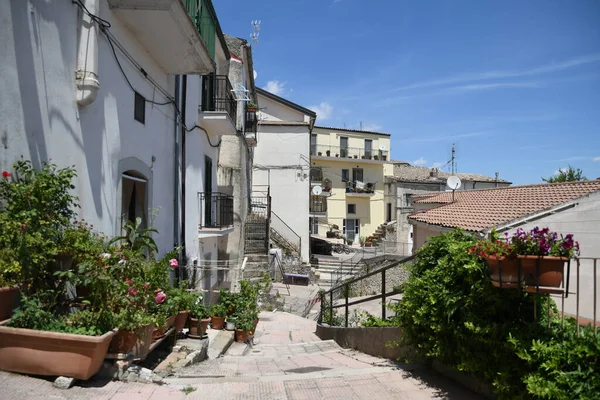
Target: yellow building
<point>349,166</point>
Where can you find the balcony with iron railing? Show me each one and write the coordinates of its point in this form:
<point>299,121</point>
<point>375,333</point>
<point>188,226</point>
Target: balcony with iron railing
<point>216,214</point>
<point>218,110</point>
<point>337,153</point>
<point>360,189</point>
<point>179,35</point>
<point>318,205</point>
<point>251,128</point>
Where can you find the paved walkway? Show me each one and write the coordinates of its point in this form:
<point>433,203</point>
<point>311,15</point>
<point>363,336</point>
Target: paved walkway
<point>288,361</point>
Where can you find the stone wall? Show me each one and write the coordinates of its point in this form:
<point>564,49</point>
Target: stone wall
<point>372,285</point>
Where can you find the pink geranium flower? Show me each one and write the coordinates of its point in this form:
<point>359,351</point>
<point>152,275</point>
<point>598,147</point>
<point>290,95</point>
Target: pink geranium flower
<point>173,262</point>
<point>132,291</point>
<point>160,297</point>
<point>6,174</point>
<point>128,281</point>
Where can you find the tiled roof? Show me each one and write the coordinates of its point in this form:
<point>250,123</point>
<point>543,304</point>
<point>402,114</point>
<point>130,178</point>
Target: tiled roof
<point>353,130</point>
<point>477,210</point>
<point>410,173</point>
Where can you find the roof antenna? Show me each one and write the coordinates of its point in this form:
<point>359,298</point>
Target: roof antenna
<point>452,159</point>
<point>255,30</point>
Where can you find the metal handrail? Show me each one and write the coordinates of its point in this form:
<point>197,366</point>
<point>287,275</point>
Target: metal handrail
<point>346,286</point>
<point>295,240</point>
<point>217,95</point>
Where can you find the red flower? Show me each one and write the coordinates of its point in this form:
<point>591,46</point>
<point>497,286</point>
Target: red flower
<point>6,174</point>
<point>128,281</point>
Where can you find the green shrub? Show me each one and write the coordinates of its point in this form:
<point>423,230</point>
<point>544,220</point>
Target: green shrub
<point>451,312</point>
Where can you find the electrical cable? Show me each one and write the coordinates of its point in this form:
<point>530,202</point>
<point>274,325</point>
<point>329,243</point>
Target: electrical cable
<point>104,26</point>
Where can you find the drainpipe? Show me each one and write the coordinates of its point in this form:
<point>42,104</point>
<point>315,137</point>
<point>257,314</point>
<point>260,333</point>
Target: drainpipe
<point>183,167</point>
<point>177,127</point>
<point>86,75</point>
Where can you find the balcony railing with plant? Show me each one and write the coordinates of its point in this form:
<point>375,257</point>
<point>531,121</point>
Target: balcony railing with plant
<point>217,95</point>
<point>216,210</point>
<point>250,122</point>
<point>349,152</point>
<point>360,187</point>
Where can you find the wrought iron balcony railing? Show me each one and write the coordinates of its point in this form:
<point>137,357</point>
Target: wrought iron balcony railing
<point>349,152</point>
<point>318,204</point>
<point>360,187</point>
<point>251,123</point>
<point>216,210</point>
<point>217,95</point>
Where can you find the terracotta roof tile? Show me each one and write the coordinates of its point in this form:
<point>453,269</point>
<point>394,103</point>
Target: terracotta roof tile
<point>412,173</point>
<point>477,210</point>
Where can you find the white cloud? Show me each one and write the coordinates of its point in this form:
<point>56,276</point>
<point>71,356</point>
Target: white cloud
<point>372,127</point>
<point>324,110</point>
<point>596,158</point>
<point>544,69</point>
<point>437,164</point>
<point>275,87</point>
<point>561,170</point>
<point>420,161</point>
<point>488,86</point>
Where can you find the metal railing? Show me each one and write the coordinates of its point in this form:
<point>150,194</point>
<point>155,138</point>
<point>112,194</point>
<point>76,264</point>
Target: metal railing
<point>360,187</point>
<point>215,209</point>
<point>250,123</point>
<point>286,232</point>
<point>318,204</point>
<point>217,95</point>
<point>328,298</point>
<point>349,152</point>
<point>316,174</point>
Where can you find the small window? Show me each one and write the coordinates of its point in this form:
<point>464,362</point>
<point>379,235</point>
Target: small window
<point>345,175</point>
<point>351,208</point>
<point>139,111</point>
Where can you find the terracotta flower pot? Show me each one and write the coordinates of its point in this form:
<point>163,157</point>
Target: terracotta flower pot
<point>217,322</point>
<point>204,325</point>
<point>241,335</point>
<point>51,353</point>
<point>181,320</point>
<point>509,276</point>
<point>157,333</point>
<point>122,342</point>
<point>171,321</point>
<point>551,270</point>
<point>194,325</point>
<point>142,346</point>
<point>9,298</point>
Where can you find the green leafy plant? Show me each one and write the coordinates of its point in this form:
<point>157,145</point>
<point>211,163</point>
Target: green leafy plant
<point>138,238</point>
<point>218,310</point>
<point>10,269</point>
<point>229,300</point>
<point>369,320</point>
<point>244,322</point>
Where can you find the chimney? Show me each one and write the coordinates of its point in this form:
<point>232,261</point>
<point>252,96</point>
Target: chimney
<point>433,173</point>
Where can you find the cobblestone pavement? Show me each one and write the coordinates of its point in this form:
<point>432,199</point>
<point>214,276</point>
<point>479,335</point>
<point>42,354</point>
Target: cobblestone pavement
<point>287,361</point>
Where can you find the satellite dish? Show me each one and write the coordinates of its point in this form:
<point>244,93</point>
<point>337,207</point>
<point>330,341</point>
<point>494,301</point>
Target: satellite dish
<point>381,147</point>
<point>317,190</point>
<point>453,182</point>
<point>255,74</point>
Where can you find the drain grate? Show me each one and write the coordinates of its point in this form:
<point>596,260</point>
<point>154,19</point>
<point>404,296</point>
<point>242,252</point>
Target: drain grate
<point>305,370</point>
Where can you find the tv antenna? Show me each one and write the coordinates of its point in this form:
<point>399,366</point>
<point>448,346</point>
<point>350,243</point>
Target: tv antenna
<point>453,182</point>
<point>255,30</point>
<point>452,160</point>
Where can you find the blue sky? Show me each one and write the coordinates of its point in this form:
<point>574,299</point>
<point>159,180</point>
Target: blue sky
<point>515,84</point>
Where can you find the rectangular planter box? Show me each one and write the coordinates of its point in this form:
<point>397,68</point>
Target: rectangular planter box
<point>51,353</point>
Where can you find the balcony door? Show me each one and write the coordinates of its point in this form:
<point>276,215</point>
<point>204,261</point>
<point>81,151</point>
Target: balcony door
<point>368,149</point>
<point>344,146</point>
<point>208,212</point>
<point>351,229</point>
<point>313,144</point>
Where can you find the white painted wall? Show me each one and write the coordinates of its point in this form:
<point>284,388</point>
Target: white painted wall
<point>270,110</point>
<point>40,118</point>
<point>281,160</point>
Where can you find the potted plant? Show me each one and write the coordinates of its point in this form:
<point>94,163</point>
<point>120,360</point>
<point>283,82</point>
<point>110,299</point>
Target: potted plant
<point>376,157</point>
<point>252,107</point>
<point>320,153</point>
<point>330,233</point>
<point>181,302</point>
<point>37,342</point>
<point>501,259</point>
<point>244,324</point>
<point>362,157</point>
<point>230,323</point>
<point>199,319</point>
<point>356,156</point>
<point>328,152</point>
<point>384,158</point>
<point>337,155</point>
<point>543,254</point>
<point>128,324</point>
<point>159,322</point>
<point>218,313</point>
<point>362,241</point>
